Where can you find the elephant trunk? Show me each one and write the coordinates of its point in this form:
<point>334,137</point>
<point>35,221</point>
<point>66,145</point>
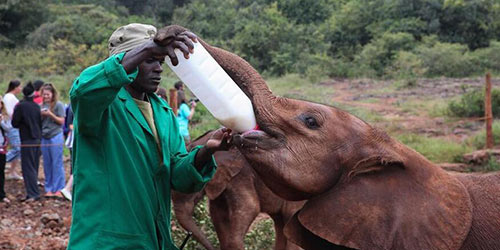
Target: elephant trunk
<point>248,79</point>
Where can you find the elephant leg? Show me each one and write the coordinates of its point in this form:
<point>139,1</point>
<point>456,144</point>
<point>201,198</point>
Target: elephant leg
<point>184,205</point>
<point>281,243</point>
<point>232,214</point>
<point>280,240</point>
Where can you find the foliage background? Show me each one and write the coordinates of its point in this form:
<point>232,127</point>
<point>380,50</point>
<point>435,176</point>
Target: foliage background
<point>401,39</point>
<point>291,42</point>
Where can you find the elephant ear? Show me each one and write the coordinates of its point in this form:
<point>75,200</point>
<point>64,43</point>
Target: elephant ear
<point>229,164</point>
<point>389,203</point>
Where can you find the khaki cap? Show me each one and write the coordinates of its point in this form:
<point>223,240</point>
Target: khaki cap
<point>130,36</point>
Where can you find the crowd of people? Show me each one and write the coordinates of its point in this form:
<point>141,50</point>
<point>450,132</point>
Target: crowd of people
<point>32,128</point>
<point>40,126</point>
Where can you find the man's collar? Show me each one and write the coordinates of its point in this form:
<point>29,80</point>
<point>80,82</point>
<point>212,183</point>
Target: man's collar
<point>124,95</point>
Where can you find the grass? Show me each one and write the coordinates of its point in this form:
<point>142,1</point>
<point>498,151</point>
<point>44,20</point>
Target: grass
<point>297,87</point>
<point>428,107</point>
<point>362,113</point>
<point>202,219</point>
<point>492,165</point>
<point>435,149</point>
<point>479,139</point>
<point>382,90</point>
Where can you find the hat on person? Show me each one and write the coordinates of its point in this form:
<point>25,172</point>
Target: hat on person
<point>130,36</point>
<point>28,90</point>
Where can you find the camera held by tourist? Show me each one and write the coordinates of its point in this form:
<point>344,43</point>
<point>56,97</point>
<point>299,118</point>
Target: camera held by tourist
<point>52,140</point>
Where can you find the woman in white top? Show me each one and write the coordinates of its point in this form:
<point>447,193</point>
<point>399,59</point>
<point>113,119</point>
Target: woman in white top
<point>10,101</point>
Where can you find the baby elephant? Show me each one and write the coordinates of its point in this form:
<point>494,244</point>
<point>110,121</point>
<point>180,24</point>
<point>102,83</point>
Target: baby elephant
<point>236,196</point>
<point>364,190</point>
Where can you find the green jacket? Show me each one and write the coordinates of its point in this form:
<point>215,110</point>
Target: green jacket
<point>121,193</point>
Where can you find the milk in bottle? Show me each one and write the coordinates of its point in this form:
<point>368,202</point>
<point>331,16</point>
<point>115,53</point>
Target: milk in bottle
<point>215,89</point>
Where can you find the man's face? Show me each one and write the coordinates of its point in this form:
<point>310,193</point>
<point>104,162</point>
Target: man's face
<point>149,76</point>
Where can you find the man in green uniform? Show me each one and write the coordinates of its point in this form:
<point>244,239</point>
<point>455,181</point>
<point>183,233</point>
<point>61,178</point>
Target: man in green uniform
<point>127,151</point>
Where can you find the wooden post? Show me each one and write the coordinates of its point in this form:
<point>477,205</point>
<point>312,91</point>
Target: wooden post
<point>488,113</point>
<point>172,100</point>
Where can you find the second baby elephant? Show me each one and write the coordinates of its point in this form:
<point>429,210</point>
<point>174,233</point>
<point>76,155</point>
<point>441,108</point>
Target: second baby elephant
<point>236,196</point>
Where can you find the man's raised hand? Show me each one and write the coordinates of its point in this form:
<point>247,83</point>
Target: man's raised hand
<point>176,37</point>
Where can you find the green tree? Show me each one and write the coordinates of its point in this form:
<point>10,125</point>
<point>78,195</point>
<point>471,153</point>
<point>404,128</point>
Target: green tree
<point>18,18</point>
<point>223,16</point>
<point>468,22</point>
<point>78,24</point>
<point>381,51</point>
<point>305,12</point>
<point>346,29</point>
<point>263,32</point>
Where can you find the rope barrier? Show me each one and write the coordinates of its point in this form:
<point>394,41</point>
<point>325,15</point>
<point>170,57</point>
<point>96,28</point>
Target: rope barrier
<point>36,145</point>
<point>395,120</point>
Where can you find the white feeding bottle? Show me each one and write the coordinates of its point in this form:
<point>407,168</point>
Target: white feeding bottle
<point>215,89</point>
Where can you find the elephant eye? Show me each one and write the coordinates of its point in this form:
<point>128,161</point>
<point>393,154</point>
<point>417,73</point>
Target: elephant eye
<point>311,122</point>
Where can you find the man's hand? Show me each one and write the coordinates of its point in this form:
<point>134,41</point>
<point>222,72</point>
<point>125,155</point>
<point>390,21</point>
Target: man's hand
<point>165,42</point>
<point>221,140</point>
<point>175,37</point>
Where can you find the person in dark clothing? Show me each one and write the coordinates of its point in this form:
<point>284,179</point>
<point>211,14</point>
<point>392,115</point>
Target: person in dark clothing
<point>28,119</point>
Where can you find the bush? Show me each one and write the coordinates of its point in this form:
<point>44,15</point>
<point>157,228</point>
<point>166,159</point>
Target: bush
<point>447,59</point>
<point>488,58</point>
<point>318,67</point>
<point>78,24</point>
<point>381,52</point>
<point>472,104</point>
<point>406,67</point>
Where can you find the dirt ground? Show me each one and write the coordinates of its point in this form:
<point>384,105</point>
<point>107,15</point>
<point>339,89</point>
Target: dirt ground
<point>382,98</point>
<point>45,224</point>
<point>42,224</point>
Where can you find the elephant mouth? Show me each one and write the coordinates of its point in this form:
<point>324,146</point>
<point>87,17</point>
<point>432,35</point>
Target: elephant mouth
<point>255,139</point>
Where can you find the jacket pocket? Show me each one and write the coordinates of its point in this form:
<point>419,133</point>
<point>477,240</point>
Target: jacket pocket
<point>115,240</point>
